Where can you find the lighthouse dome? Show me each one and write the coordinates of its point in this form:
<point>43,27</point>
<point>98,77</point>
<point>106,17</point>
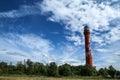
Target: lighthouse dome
<point>86,27</point>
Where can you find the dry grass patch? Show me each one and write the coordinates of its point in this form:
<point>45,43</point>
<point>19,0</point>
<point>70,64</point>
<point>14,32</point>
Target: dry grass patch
<point>50,78</point>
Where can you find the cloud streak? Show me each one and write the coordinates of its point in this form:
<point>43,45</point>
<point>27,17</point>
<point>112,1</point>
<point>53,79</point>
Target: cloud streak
<point>16,47</point>
<point>25,46</point>
<point>24,10</point>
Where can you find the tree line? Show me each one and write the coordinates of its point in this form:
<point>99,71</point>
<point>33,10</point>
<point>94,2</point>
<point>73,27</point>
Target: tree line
<point>29,67</point>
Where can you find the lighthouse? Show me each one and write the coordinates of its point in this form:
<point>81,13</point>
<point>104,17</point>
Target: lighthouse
<point>88,52</point>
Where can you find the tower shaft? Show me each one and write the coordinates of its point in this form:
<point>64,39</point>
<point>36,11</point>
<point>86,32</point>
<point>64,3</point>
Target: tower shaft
<point>87,47</point>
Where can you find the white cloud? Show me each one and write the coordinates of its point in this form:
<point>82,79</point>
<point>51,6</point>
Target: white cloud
<point>76,13</point>
<point>115,34</point>
<point>21,47</point>
<point>76,39</point>
<point>16,47</point>
<point>103,50</point>
<point>22,11</point>
<point>108,55</point>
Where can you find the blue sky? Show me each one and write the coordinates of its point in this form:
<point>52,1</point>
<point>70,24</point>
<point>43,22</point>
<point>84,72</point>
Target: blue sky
<point>52,30</point>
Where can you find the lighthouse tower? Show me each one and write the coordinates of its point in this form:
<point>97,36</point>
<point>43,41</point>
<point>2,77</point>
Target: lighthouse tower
<point>87,46</point>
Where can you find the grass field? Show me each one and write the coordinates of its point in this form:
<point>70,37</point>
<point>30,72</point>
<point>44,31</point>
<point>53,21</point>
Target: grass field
<point>50,78</point>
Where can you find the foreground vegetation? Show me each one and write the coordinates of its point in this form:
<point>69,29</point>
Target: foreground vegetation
<point>27,68</point>
<point>50,78</point>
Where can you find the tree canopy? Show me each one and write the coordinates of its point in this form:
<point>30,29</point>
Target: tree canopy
<point>28,67</point>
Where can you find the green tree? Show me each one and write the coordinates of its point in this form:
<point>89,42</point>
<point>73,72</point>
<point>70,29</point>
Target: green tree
<point>65,70</point>
<point>11,68</point>
<point>29,67</point>
<point>88,71</point>
<point>112,71</point>
<point>76,70</point>
<point>4,67</point>
<point>118,74</point>
<point>52,69</point>
<point>20,67</point>
<point>103,72</point>
<point>39,69</point>
<point>1,72</point>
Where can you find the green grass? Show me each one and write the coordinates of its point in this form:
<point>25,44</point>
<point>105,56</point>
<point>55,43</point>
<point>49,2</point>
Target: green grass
<point>50,78</point>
